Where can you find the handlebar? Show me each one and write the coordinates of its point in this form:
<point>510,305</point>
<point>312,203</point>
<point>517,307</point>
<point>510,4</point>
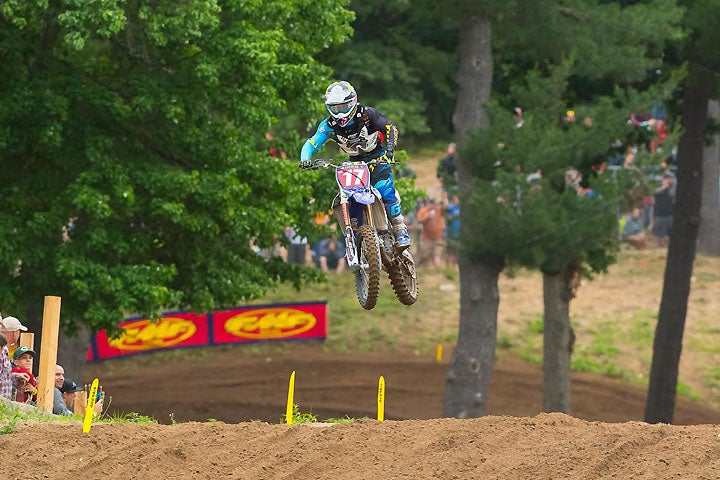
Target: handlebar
<point>320,163</point>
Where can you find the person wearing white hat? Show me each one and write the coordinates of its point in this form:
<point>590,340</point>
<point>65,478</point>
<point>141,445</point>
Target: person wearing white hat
<point>11,328</point>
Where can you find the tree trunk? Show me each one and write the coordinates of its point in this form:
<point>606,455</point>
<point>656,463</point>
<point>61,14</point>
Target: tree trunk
<point>709,236</point>
<point>558,340</point>
<point>470,371</point>
<point>681,252</point>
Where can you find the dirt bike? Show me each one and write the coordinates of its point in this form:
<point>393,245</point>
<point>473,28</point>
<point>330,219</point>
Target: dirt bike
<point>369,240</point>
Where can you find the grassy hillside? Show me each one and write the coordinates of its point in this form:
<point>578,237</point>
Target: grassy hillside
<point>614,318</point>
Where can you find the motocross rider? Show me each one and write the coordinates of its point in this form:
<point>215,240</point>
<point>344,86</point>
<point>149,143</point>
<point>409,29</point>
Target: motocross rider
<point>364,134</point>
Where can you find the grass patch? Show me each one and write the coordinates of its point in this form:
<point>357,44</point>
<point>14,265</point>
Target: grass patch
<point>131,417</point>
<point>642,327</point>
<point>299,417</point>
<point>707,277</point>
<point>687,390</point>
<point>11,415</point>
<point>345,419</point>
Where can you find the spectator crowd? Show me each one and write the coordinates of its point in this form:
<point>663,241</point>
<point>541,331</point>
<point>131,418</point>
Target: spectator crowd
<point>434,223</point>
<point>17,380</point>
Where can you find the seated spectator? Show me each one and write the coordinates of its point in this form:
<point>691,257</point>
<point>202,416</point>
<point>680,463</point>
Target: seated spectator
<point>59,405</point>
<point>27,386</point>
<point>332,256</point>
<point>633,230</point>
<point>298,249</point>
<point>663,200</point>
<point>6,383</point>
<point>11,328</point>
<point>68,390</point>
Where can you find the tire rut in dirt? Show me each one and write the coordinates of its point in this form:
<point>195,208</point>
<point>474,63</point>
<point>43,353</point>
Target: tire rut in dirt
<point>369,249</point>
<point>404,280</point>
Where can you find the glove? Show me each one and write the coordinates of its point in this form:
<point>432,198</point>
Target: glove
<point>390,153</point>
<point>305,164</point>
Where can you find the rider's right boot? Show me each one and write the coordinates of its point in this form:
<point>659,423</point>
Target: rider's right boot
<point>400,231</point>
<point>402,239</point>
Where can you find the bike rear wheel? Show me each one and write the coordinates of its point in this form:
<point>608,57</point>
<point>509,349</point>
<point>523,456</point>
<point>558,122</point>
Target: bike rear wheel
<point>367,278</point>
<point>403,278</point>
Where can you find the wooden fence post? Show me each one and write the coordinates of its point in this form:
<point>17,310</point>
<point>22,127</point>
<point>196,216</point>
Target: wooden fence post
<point>27,339</point>
<point>48,347</point>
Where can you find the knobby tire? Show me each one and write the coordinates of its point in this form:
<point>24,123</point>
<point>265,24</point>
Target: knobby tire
<point>403,278</point>
<point>368,251</point>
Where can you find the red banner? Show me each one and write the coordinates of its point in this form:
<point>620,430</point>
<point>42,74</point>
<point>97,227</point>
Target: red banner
<point>270,322</point>
<point>173,330</point>
<point>242,324</point>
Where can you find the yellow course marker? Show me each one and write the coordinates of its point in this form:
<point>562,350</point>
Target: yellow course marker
<point>290,399</point>
<point>90,409</point>
<point>381,399</point>
<point>438,355</point>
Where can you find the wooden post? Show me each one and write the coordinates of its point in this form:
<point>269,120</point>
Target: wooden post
<point>48,347</point>
<point>27,339</point>
<point>80,402</point>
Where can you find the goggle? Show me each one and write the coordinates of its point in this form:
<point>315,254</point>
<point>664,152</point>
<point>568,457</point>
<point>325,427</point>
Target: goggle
<point>344,107</point>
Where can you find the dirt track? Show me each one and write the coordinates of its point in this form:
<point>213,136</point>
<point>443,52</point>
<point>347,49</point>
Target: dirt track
<point>233,387</point>
<point>545,447</point>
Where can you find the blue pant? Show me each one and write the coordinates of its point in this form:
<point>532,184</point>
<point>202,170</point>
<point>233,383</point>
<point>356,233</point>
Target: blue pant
<point>381,178</point>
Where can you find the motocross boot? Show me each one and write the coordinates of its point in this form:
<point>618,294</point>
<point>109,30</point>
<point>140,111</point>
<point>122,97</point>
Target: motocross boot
<point>402,239</point>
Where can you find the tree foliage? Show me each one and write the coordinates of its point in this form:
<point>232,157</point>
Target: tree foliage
<point>131,149</point>
<point>402,60</point>
<point>547,224</point>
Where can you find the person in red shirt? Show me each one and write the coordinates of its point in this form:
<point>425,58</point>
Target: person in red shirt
<point>432,246</point>
<point>27,390</point>
<point>661,134</point>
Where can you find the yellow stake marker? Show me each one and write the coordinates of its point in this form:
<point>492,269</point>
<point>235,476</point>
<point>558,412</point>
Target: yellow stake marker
<point>381,399</point>
<point>290,399</point>
<point>438,355</point>
<point>90,409</point>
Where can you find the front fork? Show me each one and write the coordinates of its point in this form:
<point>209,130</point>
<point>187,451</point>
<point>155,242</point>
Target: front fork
<point>351,251</point>
<point>351,254</point>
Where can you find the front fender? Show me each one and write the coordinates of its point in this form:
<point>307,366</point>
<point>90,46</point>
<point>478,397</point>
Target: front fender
<point>365,198</point>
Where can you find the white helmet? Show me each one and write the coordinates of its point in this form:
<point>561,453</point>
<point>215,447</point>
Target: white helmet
<point>341,101</point>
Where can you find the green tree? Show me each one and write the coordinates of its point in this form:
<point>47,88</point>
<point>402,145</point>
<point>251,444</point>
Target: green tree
<point>699,50</point>
<point>401,60</point>
<point>134,168</point>
<point>556,230</point>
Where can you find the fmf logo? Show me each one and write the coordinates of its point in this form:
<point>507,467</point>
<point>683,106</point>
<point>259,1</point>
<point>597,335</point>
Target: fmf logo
<point>145,335</point>
<point>270,323</point>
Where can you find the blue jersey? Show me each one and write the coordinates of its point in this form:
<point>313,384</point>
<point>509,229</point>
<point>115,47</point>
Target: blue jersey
<point>366,136</point>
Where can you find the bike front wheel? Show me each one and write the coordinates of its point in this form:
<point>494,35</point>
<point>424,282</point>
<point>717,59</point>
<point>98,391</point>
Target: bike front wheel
<point>367,277</point>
